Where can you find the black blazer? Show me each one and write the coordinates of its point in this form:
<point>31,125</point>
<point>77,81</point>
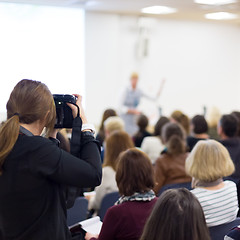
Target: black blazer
<point>33,185</point>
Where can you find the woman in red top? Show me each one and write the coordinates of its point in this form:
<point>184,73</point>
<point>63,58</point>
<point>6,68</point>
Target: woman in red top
<point>135,181</point>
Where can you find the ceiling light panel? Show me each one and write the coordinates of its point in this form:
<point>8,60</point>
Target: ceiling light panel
<point>158,10</point>
<point>215,2</point>
<point>221,16</point>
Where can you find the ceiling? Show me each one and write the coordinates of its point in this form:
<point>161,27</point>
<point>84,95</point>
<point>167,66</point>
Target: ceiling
<point>187,9</point>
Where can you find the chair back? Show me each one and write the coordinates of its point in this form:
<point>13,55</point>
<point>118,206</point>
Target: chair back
<point>218,232</point>
<point>108,201</point>
<point>78,212</point>
<point>175,185</point>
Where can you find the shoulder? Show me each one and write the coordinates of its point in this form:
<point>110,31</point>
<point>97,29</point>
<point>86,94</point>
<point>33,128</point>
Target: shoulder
<point>108,170</point>
<point>34,141</point>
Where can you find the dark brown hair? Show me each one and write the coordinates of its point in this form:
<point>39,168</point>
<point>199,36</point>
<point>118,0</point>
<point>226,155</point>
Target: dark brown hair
<point>29,101</point>
<point>176,215</point>
<point>106,114</point>
<point>159,125</point>
<point>200,124</point>
<point>142,122</point>
<point>134,172</point>
<point>173,137</point>
<point>116,143</point>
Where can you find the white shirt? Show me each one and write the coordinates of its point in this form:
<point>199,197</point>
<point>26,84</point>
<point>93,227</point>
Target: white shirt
<point>219,206</point>
<point>152,146</point>
<point>108,185</point>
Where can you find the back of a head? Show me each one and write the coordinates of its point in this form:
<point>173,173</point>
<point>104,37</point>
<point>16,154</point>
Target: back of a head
<point>177,215</point>
<point>114,123</point>
<point>106,114</point>
<point>229,124</point>
<point>142,122</point>
<point>134,172</point>
<point>182,119</point>
<point>159,124</point>
<point>199,124</point>
<point>208,161</point>
<point>116,143</point>
<point>29,101</point>
<point>173,136</point>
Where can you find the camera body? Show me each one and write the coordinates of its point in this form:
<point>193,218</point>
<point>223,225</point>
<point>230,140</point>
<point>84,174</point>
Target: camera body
<point>64,118</point>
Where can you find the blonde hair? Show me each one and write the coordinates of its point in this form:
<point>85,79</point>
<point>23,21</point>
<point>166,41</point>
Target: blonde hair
<point>114,123</point>
<point>209,161</point>
<point>29,101</point>
<point>134,75</point>
<point>116,143</point>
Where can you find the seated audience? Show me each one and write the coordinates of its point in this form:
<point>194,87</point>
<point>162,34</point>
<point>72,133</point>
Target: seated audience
<point>170,166</point>
<point>126,219</point>
<point>111,124</point>
<point>142,123</point>
<point>117,142</point>
<point>101,133</point>
<point>227,130</point>
<point>207,164</point>
<point>181,118</point>
<point>177,215</point>
<point>198,129</point>
<point>153,145</point>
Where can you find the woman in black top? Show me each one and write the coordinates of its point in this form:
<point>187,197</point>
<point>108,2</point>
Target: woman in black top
<point>38,179</point>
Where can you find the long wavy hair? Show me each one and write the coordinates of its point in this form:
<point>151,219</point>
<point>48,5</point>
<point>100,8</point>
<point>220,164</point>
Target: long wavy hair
<point>28,102</point>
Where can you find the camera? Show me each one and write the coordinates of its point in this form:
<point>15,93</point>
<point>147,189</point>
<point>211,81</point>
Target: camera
<point>64,118</point>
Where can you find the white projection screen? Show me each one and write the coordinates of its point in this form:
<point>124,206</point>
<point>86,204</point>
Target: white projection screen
<point>43,43</point>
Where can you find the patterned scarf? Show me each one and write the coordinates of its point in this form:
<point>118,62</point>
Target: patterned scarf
<point>137,196</point>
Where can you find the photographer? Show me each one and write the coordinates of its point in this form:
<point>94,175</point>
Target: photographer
<point>38,179</point>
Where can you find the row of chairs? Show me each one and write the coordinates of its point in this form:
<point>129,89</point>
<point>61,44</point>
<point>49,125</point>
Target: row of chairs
<point>79,211</point>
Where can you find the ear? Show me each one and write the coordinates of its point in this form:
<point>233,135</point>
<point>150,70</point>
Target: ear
<point>219,130</point>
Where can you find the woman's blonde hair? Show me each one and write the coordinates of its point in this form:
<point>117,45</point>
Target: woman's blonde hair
<point>29,101</point>
<point>209,161</point>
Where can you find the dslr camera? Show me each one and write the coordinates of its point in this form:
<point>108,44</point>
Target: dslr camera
<point>64,118</point>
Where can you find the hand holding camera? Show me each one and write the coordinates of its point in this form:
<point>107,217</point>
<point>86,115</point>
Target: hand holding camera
<point>75,110</point>
<point>67,108</point>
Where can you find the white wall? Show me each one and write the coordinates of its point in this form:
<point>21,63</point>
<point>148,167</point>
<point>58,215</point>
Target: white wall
<point>199,60</point>
<point>42,43</point>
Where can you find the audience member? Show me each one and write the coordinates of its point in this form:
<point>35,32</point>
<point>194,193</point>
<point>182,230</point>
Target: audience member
<point>135,181</point>
<point>198,129</point>
<point>35,173</point>
<point>177,215</point>
<point>237,115</point>
<point>227,130</point>
<point>117,142</point>
<point>182,119</point>
<point>207,164</point>
<point>153,145</point>
<point>142,123</point>
<point>213,116</point>
<point>111,124</point>
<point>101,133</point>
<point>114,123</point>
<point>170,166</point>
